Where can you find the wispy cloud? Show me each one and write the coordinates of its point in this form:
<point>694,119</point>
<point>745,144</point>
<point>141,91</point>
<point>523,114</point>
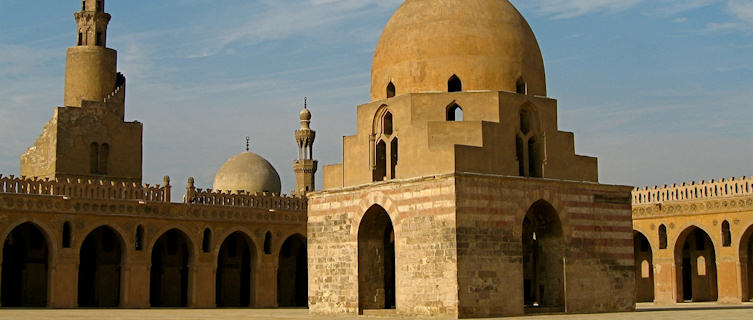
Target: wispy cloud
<point>563,9</point>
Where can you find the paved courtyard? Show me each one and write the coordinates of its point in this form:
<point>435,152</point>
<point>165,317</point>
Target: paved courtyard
<point>645,312</point>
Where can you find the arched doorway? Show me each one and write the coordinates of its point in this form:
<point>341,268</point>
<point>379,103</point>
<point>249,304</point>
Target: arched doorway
<point>99,271</point>
<point>695,262</point>
<point>644,268</point>
<point>376,260</point>
<point>292,273</point>
<point>543,260</point>
<point>25,265</point>
<point>171,256</point>
<point>746,264</point>
<point>235,265</point>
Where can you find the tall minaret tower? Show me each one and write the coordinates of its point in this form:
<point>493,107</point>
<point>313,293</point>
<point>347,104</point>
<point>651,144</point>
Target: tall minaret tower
<point>88,138</point>
<point>90,67</point>
<point>305,166</point>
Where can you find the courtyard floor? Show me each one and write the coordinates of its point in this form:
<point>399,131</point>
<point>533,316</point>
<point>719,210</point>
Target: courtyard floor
<point>645,312</point>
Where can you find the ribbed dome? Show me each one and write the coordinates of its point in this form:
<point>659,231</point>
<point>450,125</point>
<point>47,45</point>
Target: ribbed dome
<point>486,43</point>
<point>249,172</point>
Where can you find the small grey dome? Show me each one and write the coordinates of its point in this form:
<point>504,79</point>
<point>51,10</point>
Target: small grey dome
<point>248,172</point>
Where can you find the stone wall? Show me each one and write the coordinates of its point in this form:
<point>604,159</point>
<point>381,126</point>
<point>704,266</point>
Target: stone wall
<point>597,230</point>
<point>458,244</point>
<point>720,209</point>
<point>422,213</point>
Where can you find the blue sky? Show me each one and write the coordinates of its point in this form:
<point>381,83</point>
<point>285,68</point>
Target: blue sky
<point>660,90</point>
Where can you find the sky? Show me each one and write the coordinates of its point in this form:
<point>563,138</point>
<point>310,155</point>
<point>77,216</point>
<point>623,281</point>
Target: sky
<point>661,91</point>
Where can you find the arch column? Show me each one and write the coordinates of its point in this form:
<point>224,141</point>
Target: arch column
<point>63,285</point>
<point>202,291</point>
<point>135,283</point>
<point>665,275</point>
<point>728,276</point>
<point>266,282</point>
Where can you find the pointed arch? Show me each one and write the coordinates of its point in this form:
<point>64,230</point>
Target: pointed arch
<point>292,274</point>
<point>694,245</point>
<point>94,158</point>
<point>376,260</point>
<point>454,112</point>
<point>726,234</point>
<point>139,243</point>
<point>66,236</point>
<point>171,257</point>
<point>644,268</point>
<point>391,90</point>
<point>206,241</point>
<point>746,263</point>
<point>454,84</point>
<point>99,277</point>
<point>521,87</point>
<point>268,243</point>
<point>662,236</point>
<point>543,254</point>
<point>25,269</point>
<point>236,262</point>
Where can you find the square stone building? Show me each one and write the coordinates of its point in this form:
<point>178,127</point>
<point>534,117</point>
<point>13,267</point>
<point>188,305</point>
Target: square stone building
<point>458,196</point>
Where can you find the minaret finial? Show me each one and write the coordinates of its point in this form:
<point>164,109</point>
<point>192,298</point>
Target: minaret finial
<point>305,102</point>
<point>248,141</point>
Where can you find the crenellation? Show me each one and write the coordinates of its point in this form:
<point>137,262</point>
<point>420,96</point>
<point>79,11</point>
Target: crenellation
<point>712,189</point>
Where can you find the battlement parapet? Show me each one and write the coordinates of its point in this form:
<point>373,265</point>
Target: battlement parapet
<point>711,189</point>
<point>86,189</point>
<point>241,198</point>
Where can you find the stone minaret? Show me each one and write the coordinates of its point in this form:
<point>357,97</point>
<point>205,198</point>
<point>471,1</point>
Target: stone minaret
<point>90,67</point>
<point>305,166</point>
<point>88,137</point>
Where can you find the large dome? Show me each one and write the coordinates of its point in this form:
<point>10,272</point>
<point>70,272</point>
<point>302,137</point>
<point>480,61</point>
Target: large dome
<point>486,43</point>
<point>249,172</point>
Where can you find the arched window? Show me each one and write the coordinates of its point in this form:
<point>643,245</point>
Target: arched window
<point>268,243</point>
<point>525,121</point>
<point>94,158</point>
<point>99,38</point>
<point>726,234</point>
<point>454,112</point>
<point>662,237</point>
<point>387,124</point>
<point>139,238</point>
<point>521,87</point>
<point>528,145</point>
<point>80,38</point>
<point>83,5</point>
<point>206,242</point>
<point>520,153</point>
<point>533,159</point>
<point>390,90</point>
<point>393,157</point>
<point>380,172</point>
<point>454,84</point>
<point>66,234</point>
<point>104,154</point>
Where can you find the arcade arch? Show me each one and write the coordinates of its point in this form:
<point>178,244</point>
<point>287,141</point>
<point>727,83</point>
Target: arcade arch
<point>376,260</point>
<point>695,262</point>
<point>236,263</point>
<point>644,268</point>
<point>292,273</point>
<point>169,277</point>
<point>543,259</point>
<point>100,269</point>
<point>26,255</point>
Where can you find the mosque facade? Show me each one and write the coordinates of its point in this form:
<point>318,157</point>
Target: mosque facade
<point>457,196</point>
<point>81,230</point>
